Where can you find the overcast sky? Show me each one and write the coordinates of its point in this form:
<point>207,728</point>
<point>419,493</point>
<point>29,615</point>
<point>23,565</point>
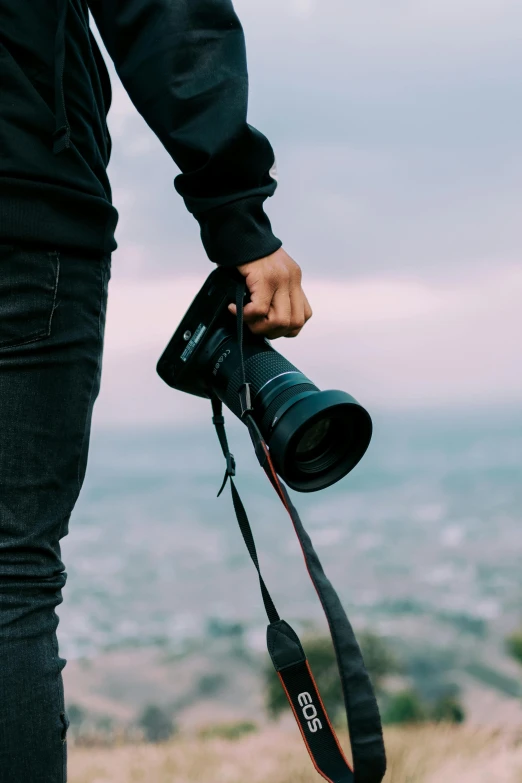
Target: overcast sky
<point>397,129</point>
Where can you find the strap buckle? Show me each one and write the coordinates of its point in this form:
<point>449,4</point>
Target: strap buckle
<point>231,464</point>
<point>245,398</point>
<point>230,472</point>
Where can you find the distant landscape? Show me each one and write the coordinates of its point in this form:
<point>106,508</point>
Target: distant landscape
<point>422,541</point>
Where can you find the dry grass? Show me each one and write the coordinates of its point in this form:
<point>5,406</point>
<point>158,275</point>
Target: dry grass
<point>417,755</point>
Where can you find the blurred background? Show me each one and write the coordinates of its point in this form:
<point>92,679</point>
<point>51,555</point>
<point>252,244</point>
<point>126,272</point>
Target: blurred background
<point>396,128</point>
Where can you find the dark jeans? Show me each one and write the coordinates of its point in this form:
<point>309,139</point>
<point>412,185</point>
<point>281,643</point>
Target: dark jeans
<point>52,318</point>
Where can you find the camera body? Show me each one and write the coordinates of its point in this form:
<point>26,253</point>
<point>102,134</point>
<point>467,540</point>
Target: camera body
<point>206,325</point>
<point>315,437</point>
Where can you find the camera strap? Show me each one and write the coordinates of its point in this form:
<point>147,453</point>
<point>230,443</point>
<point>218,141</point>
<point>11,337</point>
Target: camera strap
<point>284,647</point>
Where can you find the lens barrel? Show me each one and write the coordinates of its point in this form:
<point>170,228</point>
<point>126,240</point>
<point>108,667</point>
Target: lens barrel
<point>315,437</point>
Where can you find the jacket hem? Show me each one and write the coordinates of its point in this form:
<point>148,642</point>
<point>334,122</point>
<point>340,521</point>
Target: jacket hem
<point>56,217</point>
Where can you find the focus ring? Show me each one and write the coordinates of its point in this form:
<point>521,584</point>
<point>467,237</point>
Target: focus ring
<point>275,405</point>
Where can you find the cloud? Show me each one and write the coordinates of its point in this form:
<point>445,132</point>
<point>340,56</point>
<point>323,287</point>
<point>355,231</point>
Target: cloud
<point>390,343</point>
<point>303,8</point>
<point>380,27</point>
<point>396,130</point>
<point>352,212</point>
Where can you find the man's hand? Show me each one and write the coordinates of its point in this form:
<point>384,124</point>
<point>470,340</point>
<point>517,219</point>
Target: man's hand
<point>278,306</point>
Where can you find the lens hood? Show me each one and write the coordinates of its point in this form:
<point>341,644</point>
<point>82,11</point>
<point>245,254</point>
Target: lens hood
<point>351,432</point>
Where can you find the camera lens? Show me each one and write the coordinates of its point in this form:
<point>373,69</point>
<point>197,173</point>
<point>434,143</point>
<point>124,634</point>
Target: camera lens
<point>315,437</point>
<point>319,439</point>
<point>313,440</point>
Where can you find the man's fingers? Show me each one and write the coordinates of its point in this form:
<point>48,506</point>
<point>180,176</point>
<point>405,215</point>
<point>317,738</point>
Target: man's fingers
<point>298,319</point>
<point>287,313</point>
<point>278,306</point>
<point>307,309</point>
<point>261,295</point>
<point>279,318</point>
<point>259,307</point>
<point>297,323</point>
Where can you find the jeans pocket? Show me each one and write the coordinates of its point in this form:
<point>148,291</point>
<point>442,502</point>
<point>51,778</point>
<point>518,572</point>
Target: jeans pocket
<point>28,286</point>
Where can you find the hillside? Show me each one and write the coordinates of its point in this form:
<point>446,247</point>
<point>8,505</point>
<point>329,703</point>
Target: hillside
<point>416,755</point>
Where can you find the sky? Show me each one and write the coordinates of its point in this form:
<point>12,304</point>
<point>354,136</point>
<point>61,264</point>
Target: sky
<point>397,131</point>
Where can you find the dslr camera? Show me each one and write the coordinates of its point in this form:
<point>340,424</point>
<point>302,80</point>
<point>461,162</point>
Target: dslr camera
<point>314,437</point>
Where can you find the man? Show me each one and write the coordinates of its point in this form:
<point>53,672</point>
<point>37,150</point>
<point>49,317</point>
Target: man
<point>183,65</point>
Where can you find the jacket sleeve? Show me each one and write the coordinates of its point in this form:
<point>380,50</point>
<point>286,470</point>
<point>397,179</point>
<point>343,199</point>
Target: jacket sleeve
<point>183,64</point>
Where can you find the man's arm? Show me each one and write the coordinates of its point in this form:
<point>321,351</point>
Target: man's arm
<point>183,64</point>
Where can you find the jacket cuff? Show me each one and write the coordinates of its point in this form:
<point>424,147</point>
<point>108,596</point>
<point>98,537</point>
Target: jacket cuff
<point>238,232</point>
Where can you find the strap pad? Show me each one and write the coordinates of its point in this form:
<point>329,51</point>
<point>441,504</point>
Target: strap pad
<point>301,691</point>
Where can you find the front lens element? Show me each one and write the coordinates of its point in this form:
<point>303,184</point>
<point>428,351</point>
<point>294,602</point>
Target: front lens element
<point>331,445</point>
<point>319,439</point>
<point>313,439</point>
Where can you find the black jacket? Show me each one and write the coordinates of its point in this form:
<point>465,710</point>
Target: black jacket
<point>183,65</point>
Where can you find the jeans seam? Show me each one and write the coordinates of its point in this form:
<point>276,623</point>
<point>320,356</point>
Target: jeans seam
<point>57,277</point>
<point>95,374</point>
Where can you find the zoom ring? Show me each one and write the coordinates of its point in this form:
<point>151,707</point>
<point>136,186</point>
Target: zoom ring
<point>259,369</point>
